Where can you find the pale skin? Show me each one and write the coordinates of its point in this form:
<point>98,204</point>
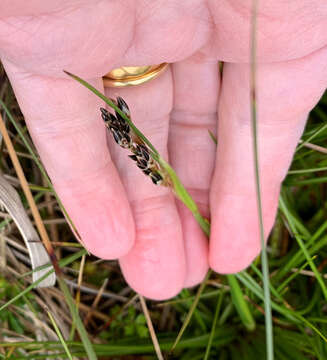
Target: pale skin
<point>118,212</point>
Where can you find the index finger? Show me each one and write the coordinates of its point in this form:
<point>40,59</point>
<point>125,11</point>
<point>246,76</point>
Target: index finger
<point>70,137</point>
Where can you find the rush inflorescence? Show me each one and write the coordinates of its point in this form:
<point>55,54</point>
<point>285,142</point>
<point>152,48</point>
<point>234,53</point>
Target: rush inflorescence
<point>127,139</point>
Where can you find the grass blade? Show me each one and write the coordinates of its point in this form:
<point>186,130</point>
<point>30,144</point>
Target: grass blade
<point>58,332</point>
<point>78,322</point>
<point>214,324</point>
<point>185,197</point>
<point>264,257</point>
<point>191,311</point>
<point>240,303</point>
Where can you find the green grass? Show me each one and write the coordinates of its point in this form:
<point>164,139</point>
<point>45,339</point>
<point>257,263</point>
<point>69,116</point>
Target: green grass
<point>297,252</point>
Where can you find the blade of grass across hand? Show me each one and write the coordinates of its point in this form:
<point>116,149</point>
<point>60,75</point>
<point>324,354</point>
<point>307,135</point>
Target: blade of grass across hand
<point>264,257</point>
<point>179,189</point>
<point>185,197</point>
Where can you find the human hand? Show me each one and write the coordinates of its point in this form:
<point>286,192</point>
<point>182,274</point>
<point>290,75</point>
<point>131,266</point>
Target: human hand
<point>118,212</point>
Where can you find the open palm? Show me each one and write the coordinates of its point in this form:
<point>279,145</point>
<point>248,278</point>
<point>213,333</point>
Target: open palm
<point>118,212</point>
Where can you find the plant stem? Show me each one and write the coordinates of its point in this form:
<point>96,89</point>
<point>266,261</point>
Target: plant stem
<point>264,257</point>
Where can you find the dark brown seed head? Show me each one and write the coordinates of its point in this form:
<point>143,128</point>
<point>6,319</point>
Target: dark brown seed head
<point>142,150</point>
<point>126,141</point>
<point>146,155</point>
<point>133,157</point>
<point>142,164</point>
<point>105,115</point>
<point>123,106</point>
<point>104,111</point>
<point>121,139</point>
<point>120,130</point>
<point>122,123</point>
<point>156,178</point>
<point>116,135</point>
<point>113,128</point>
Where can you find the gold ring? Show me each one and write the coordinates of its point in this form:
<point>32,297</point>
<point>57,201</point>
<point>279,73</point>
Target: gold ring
<point>132,75</point>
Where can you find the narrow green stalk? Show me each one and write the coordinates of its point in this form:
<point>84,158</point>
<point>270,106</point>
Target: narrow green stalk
<point>185,197</point>
<point>305,171</point>
<point>77,320</point>
<point>214,324</point>
<point>59,334</point>
<point>191,311</point>
<point>315,180</point>
<point>264,257</point>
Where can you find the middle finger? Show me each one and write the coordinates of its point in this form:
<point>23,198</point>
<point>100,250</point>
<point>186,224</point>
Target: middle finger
<point>192,151</point>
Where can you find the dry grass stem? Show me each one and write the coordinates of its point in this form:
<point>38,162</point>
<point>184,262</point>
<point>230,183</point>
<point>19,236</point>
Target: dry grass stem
<point>52,221</point>
<point>79,280</point>
<point>315,147</point>
<point>94,291</point>
<point>307,273</point>
<point>151,329</point>
<point>95,302</point>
